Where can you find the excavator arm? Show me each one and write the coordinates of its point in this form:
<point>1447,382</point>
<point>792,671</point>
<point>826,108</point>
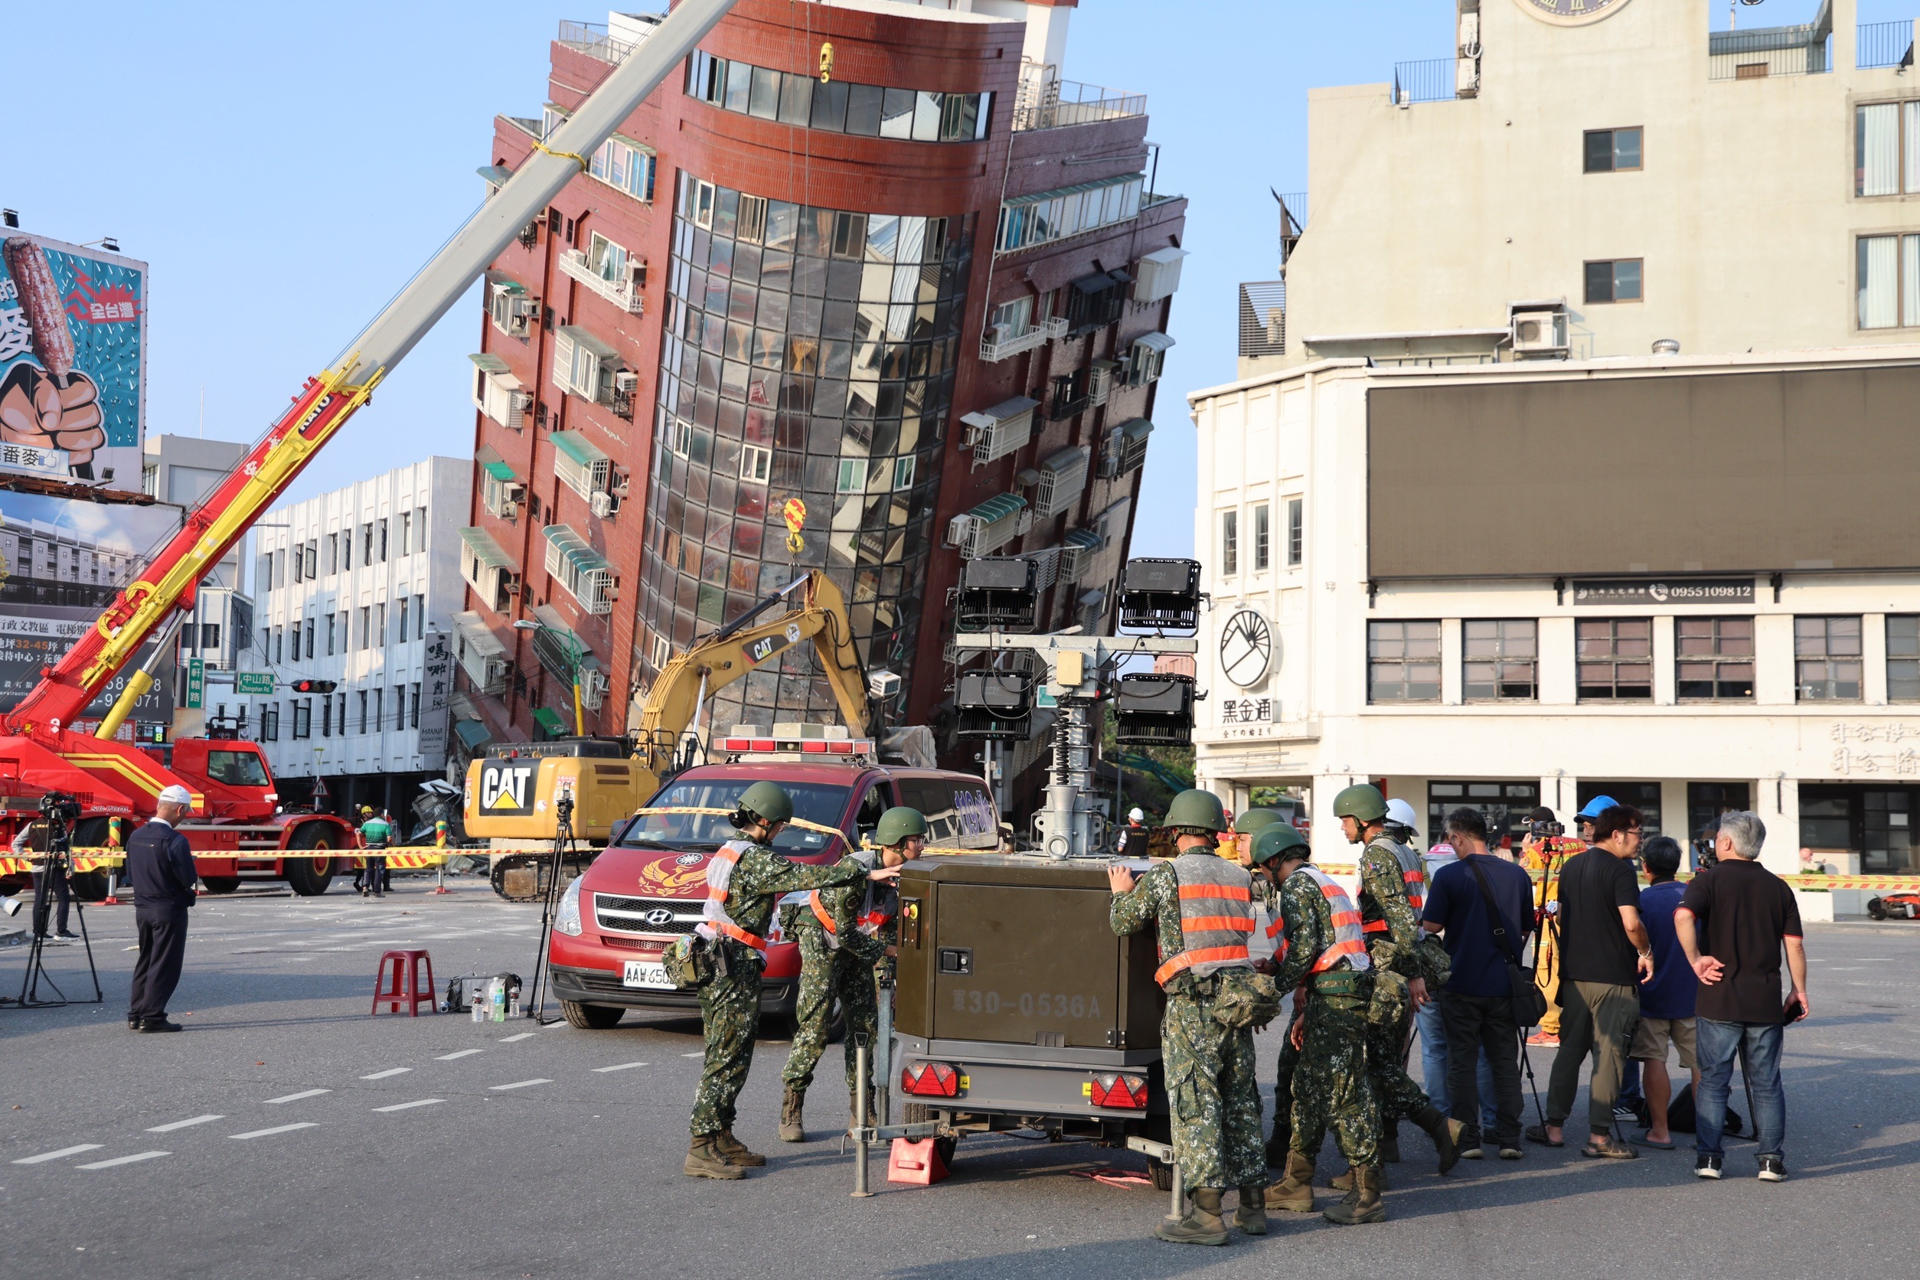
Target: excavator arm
<point>819,615</point>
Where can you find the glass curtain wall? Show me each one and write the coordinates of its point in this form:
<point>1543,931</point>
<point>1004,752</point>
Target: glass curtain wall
<point>809,353</point>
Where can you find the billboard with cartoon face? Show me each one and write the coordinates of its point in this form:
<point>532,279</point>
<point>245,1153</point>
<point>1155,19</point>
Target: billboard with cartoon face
<point>72,361</point>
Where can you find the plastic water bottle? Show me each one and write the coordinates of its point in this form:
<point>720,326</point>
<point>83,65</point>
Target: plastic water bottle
<point>499,1000</point>
<point>513,1003</point>
<point>474,1003</point>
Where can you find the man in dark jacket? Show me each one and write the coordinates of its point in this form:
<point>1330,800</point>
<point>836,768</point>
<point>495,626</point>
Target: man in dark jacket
<point>160,869</point>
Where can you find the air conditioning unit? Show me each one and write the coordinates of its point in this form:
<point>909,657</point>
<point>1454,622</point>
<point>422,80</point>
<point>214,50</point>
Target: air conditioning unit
<point>601,504</point>
<point>961,530</point>
<point>626,381</point>
<point>509,511</point>
<point>525,309</point>
<point>1539,332</point>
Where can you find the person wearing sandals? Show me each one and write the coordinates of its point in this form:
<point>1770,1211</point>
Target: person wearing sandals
<point>1604,953</point>
<point>1666,1002</point>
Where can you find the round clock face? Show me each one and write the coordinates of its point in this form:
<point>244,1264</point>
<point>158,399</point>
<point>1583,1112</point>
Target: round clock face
<point>1246,647</point>
<point>1571,13</point>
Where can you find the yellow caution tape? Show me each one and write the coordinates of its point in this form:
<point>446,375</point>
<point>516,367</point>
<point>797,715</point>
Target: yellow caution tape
<point>400,858</point>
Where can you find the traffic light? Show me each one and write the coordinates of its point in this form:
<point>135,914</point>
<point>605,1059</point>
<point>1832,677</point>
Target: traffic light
<point>314,686</point>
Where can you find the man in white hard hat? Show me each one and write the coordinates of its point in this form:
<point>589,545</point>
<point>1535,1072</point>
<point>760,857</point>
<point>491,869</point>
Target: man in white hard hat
<point>1133,836</point>
<point>160,869</point>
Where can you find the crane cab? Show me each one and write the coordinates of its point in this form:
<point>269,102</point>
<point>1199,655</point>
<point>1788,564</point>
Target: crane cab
<point>231,773</point>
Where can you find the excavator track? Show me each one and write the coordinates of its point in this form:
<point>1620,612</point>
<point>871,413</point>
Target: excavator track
<point>523,877</point>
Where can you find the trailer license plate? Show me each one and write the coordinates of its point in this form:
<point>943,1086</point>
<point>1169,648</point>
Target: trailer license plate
<point>645,973</point>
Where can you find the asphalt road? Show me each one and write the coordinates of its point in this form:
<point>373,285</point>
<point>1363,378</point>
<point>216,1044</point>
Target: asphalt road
<point>286,1133</point>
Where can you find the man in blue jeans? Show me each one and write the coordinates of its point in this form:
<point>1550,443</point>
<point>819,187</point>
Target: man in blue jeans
<point>1732,923</point>
<point>1433,1034</point>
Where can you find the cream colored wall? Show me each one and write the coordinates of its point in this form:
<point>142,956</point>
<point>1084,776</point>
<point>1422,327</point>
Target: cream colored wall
<point>1438,215</point>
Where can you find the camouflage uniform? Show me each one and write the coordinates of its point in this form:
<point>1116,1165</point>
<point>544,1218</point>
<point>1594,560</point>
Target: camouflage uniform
<point>1396,958</point>
<point>1267,895</point>
<point>1330,1086</point>
<point>1211,1084</point>
<point>826,972</point>
<point>730,1003</point>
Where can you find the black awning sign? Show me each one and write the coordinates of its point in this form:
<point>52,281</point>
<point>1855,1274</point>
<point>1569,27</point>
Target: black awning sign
<point>1663,591</point>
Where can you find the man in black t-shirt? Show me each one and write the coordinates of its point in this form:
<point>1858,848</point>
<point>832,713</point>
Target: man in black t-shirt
<point>1732,923</point>
<point>1604,955</point>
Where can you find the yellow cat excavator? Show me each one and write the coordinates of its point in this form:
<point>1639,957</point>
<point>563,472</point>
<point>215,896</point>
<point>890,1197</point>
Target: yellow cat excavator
<point>511,792</point>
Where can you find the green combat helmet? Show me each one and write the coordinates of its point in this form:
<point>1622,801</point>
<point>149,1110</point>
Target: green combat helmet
<point>899,823</point>
<point>1196,811</point>
<point>1272,844</point>
<point>767,801</point>
<point>1362,801</point>
<point>1252,822</point>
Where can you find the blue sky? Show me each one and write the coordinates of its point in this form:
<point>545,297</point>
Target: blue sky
<point>285,168</point>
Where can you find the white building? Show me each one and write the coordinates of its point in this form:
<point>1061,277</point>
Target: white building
<point>183,470</point>
<point>1588,177</point>
<point>359,587</point>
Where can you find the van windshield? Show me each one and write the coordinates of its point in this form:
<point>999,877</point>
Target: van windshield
<point>814,802</point>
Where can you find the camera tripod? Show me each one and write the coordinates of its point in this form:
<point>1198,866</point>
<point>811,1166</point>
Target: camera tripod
<point>56,866</point>
<point>538,988</point>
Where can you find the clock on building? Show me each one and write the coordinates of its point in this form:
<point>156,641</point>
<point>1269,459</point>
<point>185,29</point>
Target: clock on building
<point>1246,647</point>
<point>1571,13</point>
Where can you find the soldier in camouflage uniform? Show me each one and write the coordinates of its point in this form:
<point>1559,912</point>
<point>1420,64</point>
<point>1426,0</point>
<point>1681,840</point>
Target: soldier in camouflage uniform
<point>744,881</point>
<point>1209,1066</point>
<point>1266,892</point>
<point>843,934</point>
<point>1323,959</point>
<point>1400,961</point>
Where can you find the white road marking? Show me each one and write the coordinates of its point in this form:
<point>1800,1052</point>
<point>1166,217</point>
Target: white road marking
<point>295,1097</point>
<point>390,1071</point>
<point>184,1124</point>
<point>623,1066</point>
<point>267,1133</point>
<point>108,1164</point>
<point>55,1155</point>
<point>521,1084</point>
<point>408,1106</point>
<point>524,1035</point>
<point>462,1053</point>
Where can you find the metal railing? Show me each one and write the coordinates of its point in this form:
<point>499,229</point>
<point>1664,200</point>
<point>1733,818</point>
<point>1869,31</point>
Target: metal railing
<point>1884,44</point>
<point>1047,103</point>
<point>996,345</point>
<point>591,38</point>
<point>1428,80</point>
<point>1263,319</point>
<point>1771,51</point>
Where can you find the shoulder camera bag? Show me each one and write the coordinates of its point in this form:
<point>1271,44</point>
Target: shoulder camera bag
<point>1529,1002</point>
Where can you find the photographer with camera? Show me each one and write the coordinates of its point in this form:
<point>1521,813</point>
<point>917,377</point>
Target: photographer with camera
<point>160,869</point>
<point>1546,850</point>
<point>46,879</point>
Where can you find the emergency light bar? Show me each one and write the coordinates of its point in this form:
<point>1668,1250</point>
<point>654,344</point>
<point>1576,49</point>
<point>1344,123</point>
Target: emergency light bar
<point>847,747</point>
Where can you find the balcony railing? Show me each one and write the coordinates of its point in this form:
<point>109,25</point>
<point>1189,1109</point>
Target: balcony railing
<point>1428,80</point>
<point>591,38</point>
<point>1884,44</point>
<point>1769,51</point>
<point>573,264</point>
<point>1046,102</point>
<point>1263,319</point>
<point>997,343</point>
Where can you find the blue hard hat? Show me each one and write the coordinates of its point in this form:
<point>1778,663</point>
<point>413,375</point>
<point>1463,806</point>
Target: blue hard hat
<point>1597,806</point>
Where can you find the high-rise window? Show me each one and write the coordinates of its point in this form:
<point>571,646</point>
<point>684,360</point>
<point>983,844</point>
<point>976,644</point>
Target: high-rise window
<point>1611,150</point>
<point>1827,658</point>
<point>1617,280</point>
<point>1614,659</point>
<point>1403,661</point>
<point>1713,659</point>
<point>1886,149</point>
<point>1262,538</point>
<point>1888,281</point>
<point>1296,530</point>
<point>1903,657</point>
<point>1229,543</point>
<point>1500,660</point>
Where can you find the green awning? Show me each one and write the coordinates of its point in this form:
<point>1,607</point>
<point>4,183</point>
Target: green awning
<point>501,280</point>
<point>999,507</point>
<point>579,553</point>
<point>488,362</point>
<point>473,735</point>
<point>550,722</point>
<point>580,336</point>
<point>485,549</point>
<point>1084,539</point>
<point>1134,430</point>
<point>576,446</point>
<point>1158,341</point>
<point>494,465</point>
<point>497,174</point>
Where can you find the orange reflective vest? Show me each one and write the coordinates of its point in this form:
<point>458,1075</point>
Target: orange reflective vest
<point>1216,918</point>
<point>715,922</point>
<point>1349,940</point>
<point>870,920</point>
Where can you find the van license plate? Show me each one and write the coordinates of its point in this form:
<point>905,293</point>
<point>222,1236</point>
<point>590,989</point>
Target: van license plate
<point>645,973</point>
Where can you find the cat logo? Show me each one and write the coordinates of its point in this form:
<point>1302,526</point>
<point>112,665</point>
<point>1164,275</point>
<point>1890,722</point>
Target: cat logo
<point>506,786</point>
<point>766,646</point>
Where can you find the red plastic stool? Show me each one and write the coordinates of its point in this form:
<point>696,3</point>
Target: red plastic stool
<point>397,982</point>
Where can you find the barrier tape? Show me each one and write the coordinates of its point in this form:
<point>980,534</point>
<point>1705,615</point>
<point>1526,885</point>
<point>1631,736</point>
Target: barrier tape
<point>403,858</point>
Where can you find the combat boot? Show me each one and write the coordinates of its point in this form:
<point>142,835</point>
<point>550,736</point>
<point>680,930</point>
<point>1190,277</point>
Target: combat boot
<point>1445,1132</point>
<point>735,1152</point>
<point>705,1161</point>
<point>1344,1182</point>
<point>791,1129</point>
<point>1363,1202</point>
<point>1251,1216</point>
<point>1203,1223</point>
<point>1295,1191</point>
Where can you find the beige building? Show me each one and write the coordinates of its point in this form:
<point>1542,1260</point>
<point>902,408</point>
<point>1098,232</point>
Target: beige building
<point>1584,178</point>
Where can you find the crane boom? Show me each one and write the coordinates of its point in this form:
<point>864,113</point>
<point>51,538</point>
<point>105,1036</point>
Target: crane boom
<point>170,579</point>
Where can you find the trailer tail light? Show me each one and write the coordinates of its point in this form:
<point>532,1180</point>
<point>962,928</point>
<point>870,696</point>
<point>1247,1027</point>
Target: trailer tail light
<point>933,1080</point>
<point>1125,1093</point>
